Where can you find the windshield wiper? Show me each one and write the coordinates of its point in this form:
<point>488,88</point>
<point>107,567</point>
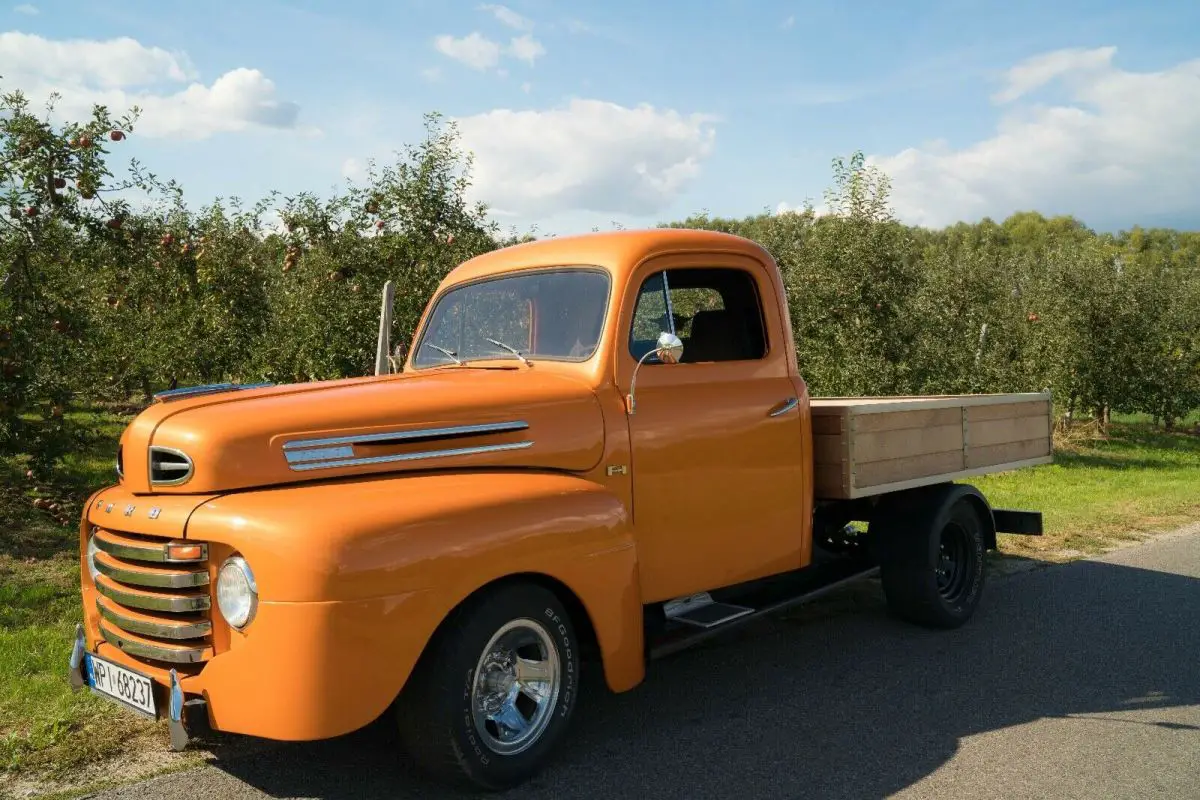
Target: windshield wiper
<point>447,353</point>
<point>512,350</point>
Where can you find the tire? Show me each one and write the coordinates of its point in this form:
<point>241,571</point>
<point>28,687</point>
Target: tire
<point>441,712</point>
<point>932,561</point>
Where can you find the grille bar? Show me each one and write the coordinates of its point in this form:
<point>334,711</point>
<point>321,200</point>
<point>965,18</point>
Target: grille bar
<point>162,629</point>
<point>140,549</point>
<point>152,601</point>
<point>147,648</point>
<point>149,576</point>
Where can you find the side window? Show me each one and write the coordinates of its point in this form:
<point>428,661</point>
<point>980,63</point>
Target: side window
<point>650,317</point>
<point>715,311</point>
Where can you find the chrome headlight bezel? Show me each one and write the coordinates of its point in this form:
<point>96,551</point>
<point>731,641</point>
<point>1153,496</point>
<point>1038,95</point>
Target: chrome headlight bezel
<point>236,593</point>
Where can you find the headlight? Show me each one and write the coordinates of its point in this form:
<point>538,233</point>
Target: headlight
<point>91,557</point>
<point>237,594</point>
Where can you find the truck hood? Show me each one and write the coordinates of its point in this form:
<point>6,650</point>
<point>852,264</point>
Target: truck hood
<point>452,418</point>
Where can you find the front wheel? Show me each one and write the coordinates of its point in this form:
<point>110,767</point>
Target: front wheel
<point>932,569</point>
<point>490,700</point>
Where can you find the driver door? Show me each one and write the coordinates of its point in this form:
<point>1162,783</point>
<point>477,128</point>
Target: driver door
<point>717,450</point>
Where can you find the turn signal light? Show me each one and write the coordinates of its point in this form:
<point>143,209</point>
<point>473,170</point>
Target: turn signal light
<point>185,551</point>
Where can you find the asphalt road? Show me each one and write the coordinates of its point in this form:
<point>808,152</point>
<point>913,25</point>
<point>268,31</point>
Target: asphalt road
<point>1073,681</point>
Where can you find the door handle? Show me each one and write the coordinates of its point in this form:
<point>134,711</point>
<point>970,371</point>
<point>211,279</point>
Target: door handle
<point>787,406</point>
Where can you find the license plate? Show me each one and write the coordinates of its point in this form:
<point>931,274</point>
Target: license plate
<point>125,686</point>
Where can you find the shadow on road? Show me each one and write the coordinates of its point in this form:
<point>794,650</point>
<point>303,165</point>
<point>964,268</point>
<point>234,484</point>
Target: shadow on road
<point>836,702</point>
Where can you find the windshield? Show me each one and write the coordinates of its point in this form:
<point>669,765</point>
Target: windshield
<point>547,314</point>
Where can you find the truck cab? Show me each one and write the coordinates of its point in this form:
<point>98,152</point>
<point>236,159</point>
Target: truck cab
<point>598,449</point>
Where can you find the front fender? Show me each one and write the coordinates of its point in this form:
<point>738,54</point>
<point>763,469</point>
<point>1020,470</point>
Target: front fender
<point>422,544</point>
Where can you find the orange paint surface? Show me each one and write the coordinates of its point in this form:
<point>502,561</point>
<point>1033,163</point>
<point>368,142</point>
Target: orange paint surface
<point>357,565</point>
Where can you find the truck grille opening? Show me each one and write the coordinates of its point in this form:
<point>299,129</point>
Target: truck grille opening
<point>151,607</point>
<point>169,467</point>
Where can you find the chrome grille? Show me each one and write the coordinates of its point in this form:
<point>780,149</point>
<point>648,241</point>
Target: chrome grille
<point>151,606</point>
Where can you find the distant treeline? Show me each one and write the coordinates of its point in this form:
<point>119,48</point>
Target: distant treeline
<point>100,301</point>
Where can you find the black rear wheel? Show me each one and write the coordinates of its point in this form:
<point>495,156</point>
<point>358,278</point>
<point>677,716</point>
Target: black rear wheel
<point>932,565</point>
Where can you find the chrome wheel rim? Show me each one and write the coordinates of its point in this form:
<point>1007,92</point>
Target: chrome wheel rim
<point>515,687</point>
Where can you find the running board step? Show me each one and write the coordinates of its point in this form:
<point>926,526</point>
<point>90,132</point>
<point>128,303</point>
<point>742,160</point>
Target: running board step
<point>714,617</point>
<point>711,614</point>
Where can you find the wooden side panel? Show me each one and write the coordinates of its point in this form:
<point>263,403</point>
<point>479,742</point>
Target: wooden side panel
<point>831,452</point>
<point>863,422</point>
<point>865,446</point>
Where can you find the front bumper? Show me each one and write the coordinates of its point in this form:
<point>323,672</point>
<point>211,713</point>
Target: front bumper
<point>185,718</point>
<point>302,671</point>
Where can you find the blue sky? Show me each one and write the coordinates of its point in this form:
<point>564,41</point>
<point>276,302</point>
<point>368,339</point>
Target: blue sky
<point>640,112</point>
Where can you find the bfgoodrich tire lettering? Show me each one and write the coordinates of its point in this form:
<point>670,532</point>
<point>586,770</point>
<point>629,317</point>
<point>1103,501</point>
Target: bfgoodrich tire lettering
<point>492,660</point>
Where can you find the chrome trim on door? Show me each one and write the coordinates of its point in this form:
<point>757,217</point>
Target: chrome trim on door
<point>791,403</point>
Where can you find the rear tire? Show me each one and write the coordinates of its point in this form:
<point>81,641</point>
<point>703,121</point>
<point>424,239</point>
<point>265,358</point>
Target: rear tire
<point>508,654</point>
<point>932,564</point>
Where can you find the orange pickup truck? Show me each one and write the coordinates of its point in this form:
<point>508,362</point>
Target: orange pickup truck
<point>598,450</point>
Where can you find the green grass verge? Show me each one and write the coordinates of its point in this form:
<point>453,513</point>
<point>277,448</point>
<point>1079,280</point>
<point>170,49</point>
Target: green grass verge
<point>44,727</point>
<point>1097,493</point>
<point>1102,492</point>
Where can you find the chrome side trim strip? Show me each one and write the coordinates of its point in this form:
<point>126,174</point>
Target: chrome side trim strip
<point>179,603</point>
<point>154,579</point>
<point>318,454</point>
<point>183,630</point>
<point>410,435</point>
<point>175,655</point>
<point>458,451</point>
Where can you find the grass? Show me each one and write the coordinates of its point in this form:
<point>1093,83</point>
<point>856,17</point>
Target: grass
<point>44,727</point>
<point>1100,492</point>
<point>1103,492</point>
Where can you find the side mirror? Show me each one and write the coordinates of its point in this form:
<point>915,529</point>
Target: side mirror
<point>669,350</point>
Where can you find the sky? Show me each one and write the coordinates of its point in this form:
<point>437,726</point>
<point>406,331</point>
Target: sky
<point>583,115</point>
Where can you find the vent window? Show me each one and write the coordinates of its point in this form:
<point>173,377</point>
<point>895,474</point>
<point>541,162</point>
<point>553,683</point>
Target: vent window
<point>169,467</point>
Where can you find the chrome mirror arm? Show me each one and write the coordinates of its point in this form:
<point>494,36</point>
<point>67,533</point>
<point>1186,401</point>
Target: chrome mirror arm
<point>669,349</point>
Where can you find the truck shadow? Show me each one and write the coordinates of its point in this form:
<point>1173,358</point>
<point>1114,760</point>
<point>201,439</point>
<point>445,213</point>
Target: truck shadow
<point>834,701</point>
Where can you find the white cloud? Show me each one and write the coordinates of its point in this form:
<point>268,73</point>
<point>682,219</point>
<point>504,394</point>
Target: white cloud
<point>526,48</point>
<point>26,9</point>
<point>789,22</point>
<point>1036,72</point>
<point>587,156</point>
<point>475,50</point>
<point>1121,146</point>
<point>526,87</point>
<point>431,73</point>
<point>507,16</point>
<point>121,73</point>
<point>107,64</point>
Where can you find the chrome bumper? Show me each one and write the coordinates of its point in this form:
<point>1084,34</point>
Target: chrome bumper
<point>184,716</point>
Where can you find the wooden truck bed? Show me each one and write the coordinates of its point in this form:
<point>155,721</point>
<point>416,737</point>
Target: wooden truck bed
<point>871,445</point>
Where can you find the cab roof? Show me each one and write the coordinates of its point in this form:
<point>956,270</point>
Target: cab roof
<point>618,251</point>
